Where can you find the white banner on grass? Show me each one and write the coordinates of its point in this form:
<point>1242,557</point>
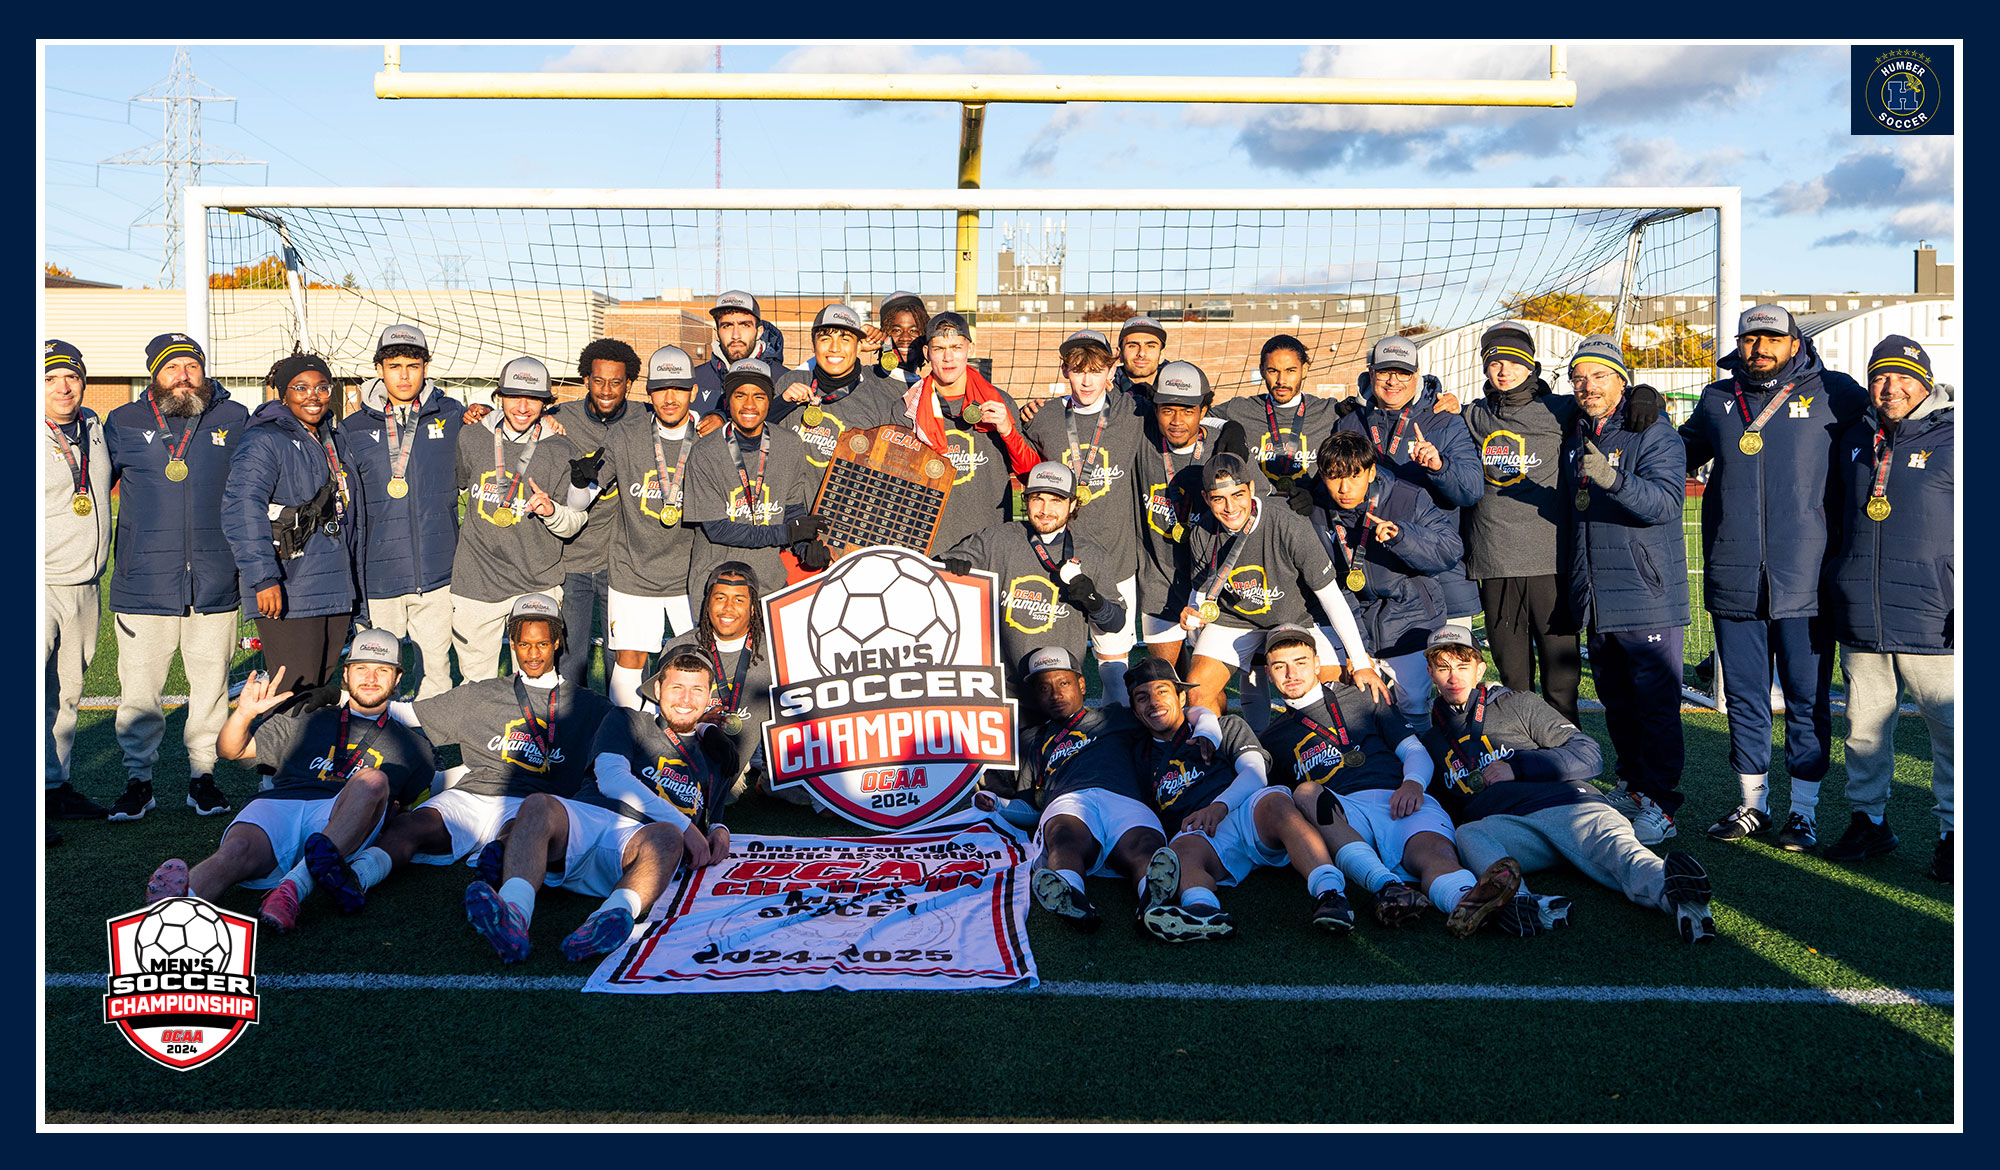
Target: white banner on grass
<point>941,907</point>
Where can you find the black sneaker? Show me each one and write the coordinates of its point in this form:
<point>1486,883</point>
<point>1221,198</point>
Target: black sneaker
<point>1797,836</point>
<point>1332,913</point>
<point>1688,893</point>
<point>1744,822</point>
<point>1941,859</point>
<point>204,797</point>
<point>67,804</point>
<point>1862,840</point>
<point>1532,915</point>
<point>135,803</point>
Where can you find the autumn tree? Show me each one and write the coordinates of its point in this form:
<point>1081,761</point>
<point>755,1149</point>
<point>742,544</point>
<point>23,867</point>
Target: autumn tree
<point>1119,313</point>
<point>51,269</point>
<point>266,273</point>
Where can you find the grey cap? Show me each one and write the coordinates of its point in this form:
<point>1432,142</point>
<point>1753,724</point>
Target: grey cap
<point>747,370</point>
<point>1046,659</point>
<point>1142,324</point>
<point>735,301</point>
<point>1290,632</point>
<point>1603,349</point>
<point>1393,353</point>
<point>1449,635</point>
<point>669,366</point>
<point>898,297</point>
<point>1083,337</point>
<point>1225,466</point>
<point>539,605</point>
<point>1179,384</point>
<point>400,334</point>
<point>524,377</point>
<point>376,645</point>
<point>1050,476</point>
<point>1766,319</point>
<point>948,321</point>
<point>839,316</point>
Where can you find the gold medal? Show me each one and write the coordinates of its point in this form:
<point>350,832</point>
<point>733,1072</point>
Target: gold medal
<point>1353,757</point>
<point>972,414</point>
<point>1750,443</point>
<point>177,469</point>
<point>1209,611</point>
<point>1878,509</point>
<point>814,414</point>
<point>1179,532</point>
<point>80,504</point>
<point>934,468</point>
<point>670,515</point>
<point>1582,498</point>
<point>732,724</point>
<point>1356,580</point>
<point>858,443</point>
<point>398,488</point>
<point>505,518</point>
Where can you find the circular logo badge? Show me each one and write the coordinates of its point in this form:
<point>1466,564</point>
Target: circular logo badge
<point>1901,94</point>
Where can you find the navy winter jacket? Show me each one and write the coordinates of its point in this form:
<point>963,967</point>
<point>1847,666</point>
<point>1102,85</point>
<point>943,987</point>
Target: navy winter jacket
<point>280,463</point>
<point>1404,600</point>
<point>1766,531</point>
<point>1460,483</point>
<point>1627,550</point>
<point>411,541</point>
<point>171,552</point>
<point>1892,581</point>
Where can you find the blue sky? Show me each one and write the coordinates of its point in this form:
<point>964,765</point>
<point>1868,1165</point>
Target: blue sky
<point>1823,210</point>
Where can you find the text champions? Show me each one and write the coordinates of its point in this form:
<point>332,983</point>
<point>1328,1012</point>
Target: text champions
<point>891,717</point>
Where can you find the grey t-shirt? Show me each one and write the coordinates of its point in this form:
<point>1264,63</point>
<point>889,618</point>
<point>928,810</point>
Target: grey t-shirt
<point>1169,498</point>
<point>1513,530</point>
<point>1102,453</point>
<point>650,558</point>
<point>494,561</point>
<point>507,750</point>
<point>1278,562</point>
<point>1299,754</point>
<point>674,766</point>
<point>1032,612</point>
<point>872,402</point>
<point>307,765</point>
<point>590,550</point>
<point>1284,440</point>
<point>716,492</point>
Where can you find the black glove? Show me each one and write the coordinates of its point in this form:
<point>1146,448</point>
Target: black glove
<point>813,556</point>
<point>1081,593</point>
<point>306,702</point>
<point>1347,406</point>
<point>956,565</point>
<point>804,528</point>
<point>583,471</point>
<point>1643,407</point>
<point>1300,497</point>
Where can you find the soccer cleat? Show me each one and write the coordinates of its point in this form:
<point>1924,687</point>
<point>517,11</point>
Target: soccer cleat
<point>1063,900</point>
<point>67,804</point>
<point>136,801</point>
<point>498,920</point>
<point>1688,893</point>
<point>1532,915</point>
<point>204,797</point>
<point>1163,880</point>
<point>1862,840</point>
<point>1744,822</point>
<point>1332,913</point>
<point>1652,825</point>
<point>1797,836</point>
<point>1177,924</point>
<point>1624,800</point>
<point>1397,903</point>
<point>489,862</point>
<point>1494,889</point>
<point>330,872</point>
<point>601,933</point>
<point>280,908</point>
<point>168,881</point>
<point>1941,861</point>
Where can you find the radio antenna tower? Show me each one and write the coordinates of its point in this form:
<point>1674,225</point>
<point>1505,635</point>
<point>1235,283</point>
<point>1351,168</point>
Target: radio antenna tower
<point>180,151</point>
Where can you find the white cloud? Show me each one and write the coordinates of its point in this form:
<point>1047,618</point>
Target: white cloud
<point>654,58</point>
<point>902,58</point>
<point>1892,174</point>
<point>1660,162</point>
<point>1039,156</point>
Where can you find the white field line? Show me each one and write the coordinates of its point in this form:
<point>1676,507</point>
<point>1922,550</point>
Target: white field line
<point>1371,992</point>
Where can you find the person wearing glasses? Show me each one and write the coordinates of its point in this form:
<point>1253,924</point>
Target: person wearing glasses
<point>294,518</point>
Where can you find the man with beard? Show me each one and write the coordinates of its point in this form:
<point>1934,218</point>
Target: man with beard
<point>1767,522</point>
<point>609,368</point>
<point>739,334</point>
<point>76,523</point>
<point>956,412</point>
<point>1284,425</point>
<point>335,772</point>
<point>893,349</point>
<point>837,395</point>
<point>750,488</point>
<point>173,578</point>
<point>656,785</point>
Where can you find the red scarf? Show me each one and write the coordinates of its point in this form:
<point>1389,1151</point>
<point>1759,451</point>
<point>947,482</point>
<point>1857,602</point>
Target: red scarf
<point>922,412</point>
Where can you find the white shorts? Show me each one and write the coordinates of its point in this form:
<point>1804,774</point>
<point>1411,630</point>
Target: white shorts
<point>1106,815</point>
<point>634,622</point>
<point>471,819</point>
<point>1156,631</point>
<point>1236,646</point>
<point>594,863</point>
<point>287,823</point>
<point>1368,812</point>
<point>1237,841</point>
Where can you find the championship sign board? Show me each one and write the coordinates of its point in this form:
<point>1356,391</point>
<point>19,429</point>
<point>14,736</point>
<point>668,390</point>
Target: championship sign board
<point>888,695</point>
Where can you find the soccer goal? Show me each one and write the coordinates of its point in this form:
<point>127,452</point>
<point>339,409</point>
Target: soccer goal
<point>490,274</point>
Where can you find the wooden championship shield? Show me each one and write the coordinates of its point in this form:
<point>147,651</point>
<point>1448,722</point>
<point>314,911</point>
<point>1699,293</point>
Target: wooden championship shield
<point>883,486</point>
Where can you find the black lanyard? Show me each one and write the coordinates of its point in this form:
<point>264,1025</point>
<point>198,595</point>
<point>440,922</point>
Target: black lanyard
<point>751,497</point>
<point>174,454</point>
<point>1042,555</point>
<point>1218,578</point>
<point>1475,728</point>
<point>520,465</point>
<point>1177,497</point>
<point>1375,433</point>
<point>742,670</point>
<point>334,469</point>
<point>79,463</point>
<point>660,462</point>
<point>1350,753</point>
<point>1354,546</point>
<point>1048,745</point>
<point>1083,460</point>
<point>346,767</point>
<point>399,448</point>
<point>535,726</point>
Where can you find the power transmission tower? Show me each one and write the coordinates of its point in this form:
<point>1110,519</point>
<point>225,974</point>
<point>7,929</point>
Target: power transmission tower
<point>180,151</point>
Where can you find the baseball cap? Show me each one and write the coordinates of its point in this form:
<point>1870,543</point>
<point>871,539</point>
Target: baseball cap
<point>838,316</point>
<point>1226,467</point>
<point>901,300</point>
<point>649,687</point>
<point>1766,319</point>
<point>524,377</point>
<point>168,346</point>
<point>1180,384</point>
<point>1083,337</point>
<point>376,645</point>
<point>1449,636</point>
<point>948,322</point>
<point>1510,340</point>
<point>1154,670</point>
<point>747,370</point>
<point>61,355</point>
<point>1393,353</point>
<point>1142,324</point>
<point>535,605</point>
<point>1048,658</point>
<point>735,301</point>
<point>1278,637</point>
<point>1603,349</point>
<point>734,570</point>
<point>669,366</point>
<point>400,334</point>
<point>1050,476</point>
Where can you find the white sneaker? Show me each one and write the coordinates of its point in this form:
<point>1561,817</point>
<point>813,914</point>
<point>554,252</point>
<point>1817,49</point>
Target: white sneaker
<point>1624,800</point>
<point>1652,825</point>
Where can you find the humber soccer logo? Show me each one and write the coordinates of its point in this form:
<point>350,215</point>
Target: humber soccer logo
<point>1902,89</point>
<point>183,982</point>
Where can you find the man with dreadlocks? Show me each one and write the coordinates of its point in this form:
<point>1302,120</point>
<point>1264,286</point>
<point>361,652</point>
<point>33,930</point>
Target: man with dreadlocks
<point>730,634</point>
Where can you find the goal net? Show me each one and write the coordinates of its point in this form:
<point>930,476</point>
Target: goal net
<point>493,274</point>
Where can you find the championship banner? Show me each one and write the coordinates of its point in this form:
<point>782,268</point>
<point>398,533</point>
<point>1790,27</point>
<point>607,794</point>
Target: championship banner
<point>887,694</point>
<point>941,908</point>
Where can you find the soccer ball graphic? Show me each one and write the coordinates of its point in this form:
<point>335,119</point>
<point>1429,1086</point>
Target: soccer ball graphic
<point>182,934</point>
<point>880,601</point>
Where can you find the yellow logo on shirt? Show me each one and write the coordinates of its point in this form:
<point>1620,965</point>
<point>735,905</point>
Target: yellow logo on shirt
<point>1917,459</point>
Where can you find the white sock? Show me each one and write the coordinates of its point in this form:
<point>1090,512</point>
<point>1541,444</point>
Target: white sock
<point>621,897</point>
<point>1805,798</point>
<point>302,876</point>
<point>1756,790</point>
<point>1194,897</point>
<point>1363,867</point>
<point>1075,879</point>
<point>370,866</point>
<point>625,686</point>
<point>1324,878</point>
<point>1112,674</point>
<point>522,895</point>
<point>1446,891</point>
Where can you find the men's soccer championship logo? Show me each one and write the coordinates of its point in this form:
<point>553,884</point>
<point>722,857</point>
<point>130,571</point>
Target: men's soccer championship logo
<point>887,692</point>
<point>183,981</point>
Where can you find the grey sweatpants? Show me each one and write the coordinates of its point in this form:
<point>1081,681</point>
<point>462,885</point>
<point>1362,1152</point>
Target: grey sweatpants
<point>69,641</point>
<point>479,629</point>
<point>1592,836</point>
<point>1872,693</point>
<point>146,645</point>
<point>424,620</point>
